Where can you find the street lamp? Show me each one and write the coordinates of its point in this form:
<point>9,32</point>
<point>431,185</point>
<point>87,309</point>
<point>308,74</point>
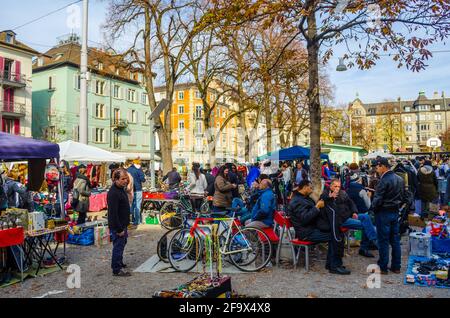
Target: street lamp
<point>341,67</point>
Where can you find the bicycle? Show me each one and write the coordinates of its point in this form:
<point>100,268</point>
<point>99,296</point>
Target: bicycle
<point>249,249</point>
<point>172,214</point>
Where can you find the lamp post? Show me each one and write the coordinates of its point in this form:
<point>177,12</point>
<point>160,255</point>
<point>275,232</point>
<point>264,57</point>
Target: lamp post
<point>84,77</point>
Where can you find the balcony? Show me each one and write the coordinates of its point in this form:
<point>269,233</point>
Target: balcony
<point>119,124</point>
<point>11,79</point>
<point>13,109</point>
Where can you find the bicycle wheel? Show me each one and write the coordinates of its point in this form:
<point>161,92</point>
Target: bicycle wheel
<point>163,244</point>
<point>184,250</point>
<point>170,216</point>
<point>251,249</point>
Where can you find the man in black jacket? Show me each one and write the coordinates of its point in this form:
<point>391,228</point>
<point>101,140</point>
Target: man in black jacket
<point>118,220</point>
<point>387,202</point>
<point>305,214</point>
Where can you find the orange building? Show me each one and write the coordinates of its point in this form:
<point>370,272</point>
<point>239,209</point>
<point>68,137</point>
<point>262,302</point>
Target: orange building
<point>189,140</point>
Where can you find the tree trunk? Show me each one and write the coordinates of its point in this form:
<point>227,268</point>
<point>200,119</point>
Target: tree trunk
<point>268,116</point>
<point>210,139</point>
<point>314,105</point>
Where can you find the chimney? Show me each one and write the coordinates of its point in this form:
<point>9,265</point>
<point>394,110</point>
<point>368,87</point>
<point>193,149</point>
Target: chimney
<point>436,95</point>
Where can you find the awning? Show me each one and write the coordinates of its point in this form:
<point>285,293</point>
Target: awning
<point>75,151</point>
<point>18,148</point>
<point>134,155</point>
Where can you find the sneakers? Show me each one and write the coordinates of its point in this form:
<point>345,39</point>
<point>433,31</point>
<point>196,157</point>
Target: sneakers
<point>122,273</point>
<point>340,271</point>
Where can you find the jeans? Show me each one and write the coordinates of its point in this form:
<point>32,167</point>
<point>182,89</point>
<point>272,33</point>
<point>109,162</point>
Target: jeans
<point>363,223</point>
<point>258,224</point>
<point>334,260</point>
<point>240,205</point>
<point>388,230</point>
<point>117,252</point>
<point>136,207</point>
<point>418,206</point>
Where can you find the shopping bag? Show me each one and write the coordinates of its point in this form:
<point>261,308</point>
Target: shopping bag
<point>101,235</point>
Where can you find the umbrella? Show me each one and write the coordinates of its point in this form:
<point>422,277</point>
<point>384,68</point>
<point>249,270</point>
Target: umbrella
<point>374,155</point>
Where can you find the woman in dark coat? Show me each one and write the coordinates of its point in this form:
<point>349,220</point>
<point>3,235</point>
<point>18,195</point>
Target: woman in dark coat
<point>428,186</point>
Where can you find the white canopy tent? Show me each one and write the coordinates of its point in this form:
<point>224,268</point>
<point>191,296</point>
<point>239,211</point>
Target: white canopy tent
<point>75,151</point>
<point>374,155</point>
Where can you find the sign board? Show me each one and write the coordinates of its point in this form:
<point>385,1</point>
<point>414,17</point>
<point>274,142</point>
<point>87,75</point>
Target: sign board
<point>158,110</point>
<point>434,142</point>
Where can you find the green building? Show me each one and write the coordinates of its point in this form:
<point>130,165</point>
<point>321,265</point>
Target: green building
<point>118,107</point>
<point>343,153</point>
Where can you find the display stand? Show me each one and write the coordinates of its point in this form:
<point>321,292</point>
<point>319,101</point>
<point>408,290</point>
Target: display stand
<point>37,244</point>
<point>14,237</point>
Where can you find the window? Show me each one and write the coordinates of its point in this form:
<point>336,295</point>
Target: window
<point>408,127</point>
<point>408,138</point>
<point>198,95</point>
<point>437,117</point>
<point>181,125</point>
<point>134,116</point>
<point>407,119</point>
<point>77,82</point>
<point>50,133</point>
<point>212,97</point>
<point>100,66</point>
<point>132,139</point>
<point>198,127</point>
<point>147,118</point>
<point>116,115</point>
<point>424,107</point>
<point>437,107</point>
<point>116,91</point>
<point>131,95</point>
<point>198,112</point>
<point>422,117</point>
<point>425,127</point>
<point>198,143</point>
<point>117,71</point>
<point>99,87</point>
<point>372,111</point>
<point>10,38</point>
<point>99,135</point>
<point>181,144</point>
<point>100,111</point>
<point>438,126</point>
<point>407,109</point>
<point>116,140</point>
<point>144,99</point>
<point>180,95</point>
<point>181,109</point>
<point>373,120</point>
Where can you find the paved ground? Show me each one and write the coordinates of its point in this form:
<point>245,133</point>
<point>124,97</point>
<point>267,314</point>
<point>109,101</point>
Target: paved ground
<point>97,281</point>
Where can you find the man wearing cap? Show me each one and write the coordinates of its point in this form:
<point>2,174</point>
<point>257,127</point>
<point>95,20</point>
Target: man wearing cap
<point>386,204</point>
<point>262,212</point>
<point>138,178</point>
<point>361,220</point>
<point>82,192</point>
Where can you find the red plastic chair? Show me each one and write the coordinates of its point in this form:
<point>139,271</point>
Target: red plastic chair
<point>285,223</point>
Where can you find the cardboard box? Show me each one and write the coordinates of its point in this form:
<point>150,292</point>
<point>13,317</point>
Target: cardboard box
<point>36,221</point>
<point>416,221</point>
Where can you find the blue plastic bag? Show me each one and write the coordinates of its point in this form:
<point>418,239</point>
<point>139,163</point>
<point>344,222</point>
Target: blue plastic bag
<point>85,238</point>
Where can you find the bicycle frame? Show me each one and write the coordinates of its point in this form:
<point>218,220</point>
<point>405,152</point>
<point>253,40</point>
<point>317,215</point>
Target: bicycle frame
<point>197,227</point>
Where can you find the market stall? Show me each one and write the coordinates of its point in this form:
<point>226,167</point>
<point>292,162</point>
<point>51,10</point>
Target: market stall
<point>95,158</point>
<point>31,230</point>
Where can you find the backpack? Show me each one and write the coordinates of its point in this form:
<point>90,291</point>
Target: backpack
<point>75,198</point>
<point>3,196</point>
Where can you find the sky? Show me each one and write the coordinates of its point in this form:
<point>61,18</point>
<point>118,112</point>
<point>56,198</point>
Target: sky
<point>384,81</point>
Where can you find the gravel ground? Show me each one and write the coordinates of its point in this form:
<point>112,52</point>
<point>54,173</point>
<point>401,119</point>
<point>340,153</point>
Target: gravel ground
<point>97,280</point>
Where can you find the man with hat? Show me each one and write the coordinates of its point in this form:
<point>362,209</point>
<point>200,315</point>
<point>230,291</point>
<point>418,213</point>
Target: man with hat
<point>138,178</point>
<point>361,220</point>
<point>387,202</point>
